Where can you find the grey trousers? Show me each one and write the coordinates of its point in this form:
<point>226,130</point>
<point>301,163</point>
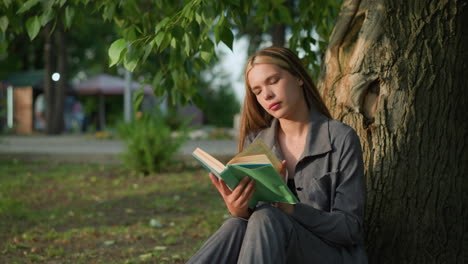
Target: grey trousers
<point>269,236</point>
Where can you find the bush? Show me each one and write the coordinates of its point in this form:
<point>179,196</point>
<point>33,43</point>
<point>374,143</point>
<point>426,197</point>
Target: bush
<point>151,145</point>
<point>220,107</point>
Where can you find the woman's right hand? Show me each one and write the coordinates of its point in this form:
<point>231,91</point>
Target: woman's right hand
<point>237,200</point>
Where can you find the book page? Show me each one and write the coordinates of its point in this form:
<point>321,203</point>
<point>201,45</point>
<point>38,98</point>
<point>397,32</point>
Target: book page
<point>209,161</point>
<point>256,148</point>
<point>253,159</point>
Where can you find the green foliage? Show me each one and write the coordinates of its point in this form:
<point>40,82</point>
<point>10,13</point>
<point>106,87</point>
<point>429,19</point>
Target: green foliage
<point>179,37</point>
<point>33,24</point>
<point>151,145</point>
<point>220,107</point>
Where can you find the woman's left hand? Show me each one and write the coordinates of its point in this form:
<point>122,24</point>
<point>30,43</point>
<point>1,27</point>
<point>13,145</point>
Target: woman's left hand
<point>285,207</point>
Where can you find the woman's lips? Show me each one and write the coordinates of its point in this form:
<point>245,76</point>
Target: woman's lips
<point>274,106</point>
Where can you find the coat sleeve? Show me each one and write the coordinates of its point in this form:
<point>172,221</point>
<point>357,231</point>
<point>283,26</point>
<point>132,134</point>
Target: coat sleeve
<point>343,224</point>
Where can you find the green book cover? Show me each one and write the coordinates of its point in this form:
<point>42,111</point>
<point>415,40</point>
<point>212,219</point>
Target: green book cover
<point>269,186</point>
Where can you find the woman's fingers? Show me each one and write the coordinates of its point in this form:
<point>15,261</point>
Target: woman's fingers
<point>220,185</point>
<point>249,192</point>
<point>240,188</point>
<point>244,198</point>
<point>213,178</point>
<point>240,196</point>
<point>224,188</point>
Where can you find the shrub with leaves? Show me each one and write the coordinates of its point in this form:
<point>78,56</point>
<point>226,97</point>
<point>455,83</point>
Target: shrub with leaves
<point>220,107</point>
<point>151,145</point>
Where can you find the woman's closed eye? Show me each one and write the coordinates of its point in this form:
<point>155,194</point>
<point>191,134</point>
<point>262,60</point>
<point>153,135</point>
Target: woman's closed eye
<point>274,80</point>
<point>257,91</point>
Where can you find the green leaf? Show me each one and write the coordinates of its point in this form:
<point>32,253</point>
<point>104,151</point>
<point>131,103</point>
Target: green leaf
<point>198,18</point>
<point>217,32</point>
<point>3,23</point>
<point>129,33</point>
<point>174,96</point>
<point>187,47</point>
<point>157,84</point>
<point>157,80</point>
<point>188,68</point>
<point>227,37</point>
<point>33,25</point>
<point>159,38</point>
<point>194,29</point>
<point>7,3</point>
<point>174,43</point>
<point>165,42</point>
<point>285,14</point>
<point>235,2</point>
<point>115,51</point>
<point>206,56</point>
<point>27,5</point>
<point>69,14</point>
<point>62,2</point>
<point>47,16</point>
<point>132,58</point>
<point>207,50</point>
<point>178,32</point>
<point>109,11</point>
<point>219,29</point>
<point>198,100</point>
<point>138,98</point>
<point>148,49</point>
<point>130,62</point>
<point>161,24</point>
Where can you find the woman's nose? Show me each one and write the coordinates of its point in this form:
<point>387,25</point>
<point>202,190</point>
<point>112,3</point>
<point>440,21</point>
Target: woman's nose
<point>268,94</point>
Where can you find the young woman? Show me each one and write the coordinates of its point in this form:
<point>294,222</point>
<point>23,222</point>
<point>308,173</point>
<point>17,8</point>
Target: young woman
<point>322,163</point>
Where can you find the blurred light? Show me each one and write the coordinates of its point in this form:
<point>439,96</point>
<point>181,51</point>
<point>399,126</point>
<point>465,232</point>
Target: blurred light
<point>56,76</point>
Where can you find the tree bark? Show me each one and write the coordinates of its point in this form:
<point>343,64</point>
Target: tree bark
<point>396,71</point>
<point>61,86</point>
<point>278,32</point>
<point>49,67</point>
<point>54,92</point>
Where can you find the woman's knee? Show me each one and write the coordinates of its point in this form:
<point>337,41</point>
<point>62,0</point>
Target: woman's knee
<point>267,214</point>
<point>234,224</point>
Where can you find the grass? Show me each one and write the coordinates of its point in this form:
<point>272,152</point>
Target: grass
<point>85,213</point>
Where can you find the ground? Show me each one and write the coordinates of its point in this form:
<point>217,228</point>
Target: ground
<point>65,213</point>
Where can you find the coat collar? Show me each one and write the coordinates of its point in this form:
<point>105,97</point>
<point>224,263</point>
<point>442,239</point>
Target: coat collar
<point>318,138</point>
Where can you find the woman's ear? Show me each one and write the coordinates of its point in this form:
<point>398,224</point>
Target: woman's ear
<point>300,82</point>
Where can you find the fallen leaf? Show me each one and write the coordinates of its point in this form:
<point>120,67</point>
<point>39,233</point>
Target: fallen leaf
<point>145,257</point>
<point>155,223</point>
<point>109,242</point>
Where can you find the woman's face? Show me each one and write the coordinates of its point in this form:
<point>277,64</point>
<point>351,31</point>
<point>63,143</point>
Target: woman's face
<point>276,90</point>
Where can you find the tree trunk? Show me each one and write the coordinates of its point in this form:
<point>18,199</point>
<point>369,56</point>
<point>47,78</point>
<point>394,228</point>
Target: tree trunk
<point>49,67</point>
<point>396,71</point>
<point>278,32</point>
<point>55,91</point>
<point>61,86</point>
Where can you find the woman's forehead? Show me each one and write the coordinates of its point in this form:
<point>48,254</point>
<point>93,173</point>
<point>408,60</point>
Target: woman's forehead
<point>262,71</point>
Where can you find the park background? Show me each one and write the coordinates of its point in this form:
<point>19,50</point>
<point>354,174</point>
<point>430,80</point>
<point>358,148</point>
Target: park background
<point>396,71</point>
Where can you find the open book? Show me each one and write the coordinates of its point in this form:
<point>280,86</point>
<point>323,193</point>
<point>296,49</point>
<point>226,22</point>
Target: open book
<point>256,161</point>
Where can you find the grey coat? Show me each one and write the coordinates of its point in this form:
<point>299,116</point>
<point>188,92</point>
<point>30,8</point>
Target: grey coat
<point>330,184</point>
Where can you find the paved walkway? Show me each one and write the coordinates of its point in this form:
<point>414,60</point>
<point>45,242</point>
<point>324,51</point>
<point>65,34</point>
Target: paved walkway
<point>81,148</point>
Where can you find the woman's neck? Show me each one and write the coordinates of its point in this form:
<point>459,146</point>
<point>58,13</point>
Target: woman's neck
<point>297,126</point>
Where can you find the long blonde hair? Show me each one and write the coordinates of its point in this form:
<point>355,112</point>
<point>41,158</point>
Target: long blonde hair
<point>253,116</point>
